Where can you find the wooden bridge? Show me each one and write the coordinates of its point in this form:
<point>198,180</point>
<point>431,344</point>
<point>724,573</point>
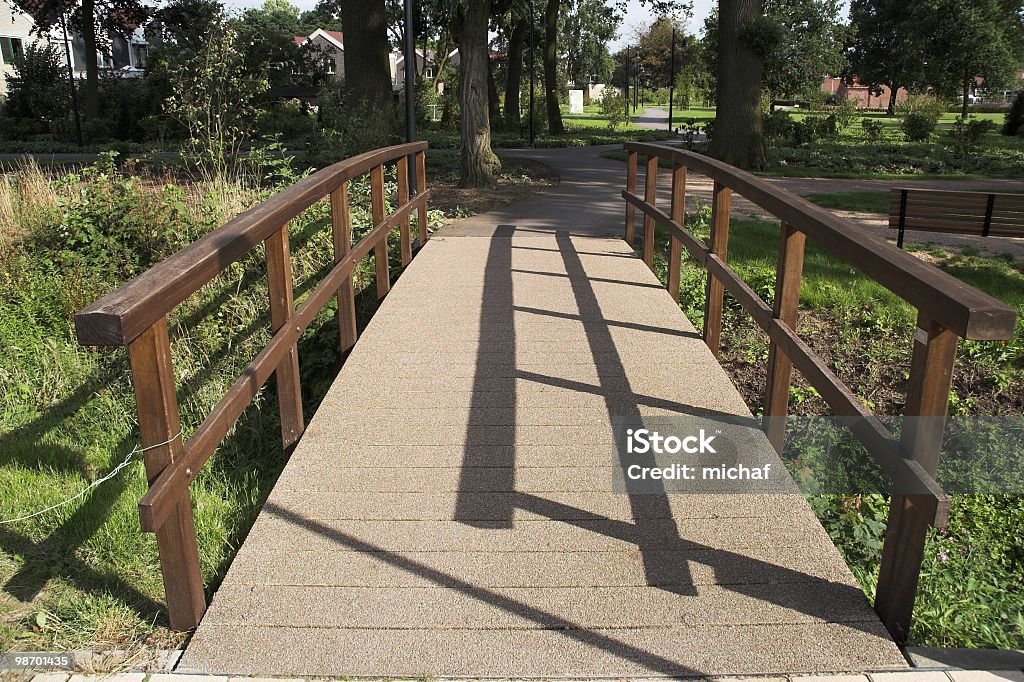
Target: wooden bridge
<point>448,511</point>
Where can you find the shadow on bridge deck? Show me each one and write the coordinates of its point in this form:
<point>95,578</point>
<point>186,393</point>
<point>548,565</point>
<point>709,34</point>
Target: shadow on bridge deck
<point>449,510</point>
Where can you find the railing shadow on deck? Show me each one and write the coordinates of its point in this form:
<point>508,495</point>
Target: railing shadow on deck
<point>947,309</point>
<point>136,316</point>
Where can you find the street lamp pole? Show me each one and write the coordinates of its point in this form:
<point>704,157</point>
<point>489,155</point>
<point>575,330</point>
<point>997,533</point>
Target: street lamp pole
<point>625,78</point>
<point>533,77</point>
<point>410,91</point>
<point>672,81</point>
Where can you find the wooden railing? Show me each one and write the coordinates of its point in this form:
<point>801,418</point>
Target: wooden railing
<point>947,309</point>
<point>136,316</point>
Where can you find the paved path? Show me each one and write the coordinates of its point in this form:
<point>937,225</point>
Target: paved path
<point>449,511</point>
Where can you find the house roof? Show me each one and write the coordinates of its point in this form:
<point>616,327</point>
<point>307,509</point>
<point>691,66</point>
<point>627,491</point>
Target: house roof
<point>336,38</point>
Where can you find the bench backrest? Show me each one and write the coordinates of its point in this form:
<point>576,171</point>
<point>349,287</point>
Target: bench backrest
<point>937,210</point>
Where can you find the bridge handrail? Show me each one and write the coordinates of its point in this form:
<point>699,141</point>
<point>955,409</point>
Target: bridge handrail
<point>135,315</point>
<point>948,309</point>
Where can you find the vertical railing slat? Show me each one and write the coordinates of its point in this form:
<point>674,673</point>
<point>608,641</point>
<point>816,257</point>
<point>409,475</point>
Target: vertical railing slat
<point>160,437</point>
<point>421,186</point>
<point>788,276</point>
<point>910,516</point>
<point>651,198</point>
<point>721,204</point>
<point>630,234</point>
<point>675,249</point>
<point>380,250</point>
<point>341,230</point>
<point>282,308</point>
<point>403,198</point>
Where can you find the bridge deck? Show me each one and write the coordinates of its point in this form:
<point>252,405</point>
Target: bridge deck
<point>448,512</point>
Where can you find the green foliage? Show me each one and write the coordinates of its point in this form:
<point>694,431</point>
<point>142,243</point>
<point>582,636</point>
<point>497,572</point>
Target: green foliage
<point>1013,124</point>
<point>37,88</point>
<point>918,126</point>
<point>969,133</point>
<point>872,128</point>
<point>613,107</point>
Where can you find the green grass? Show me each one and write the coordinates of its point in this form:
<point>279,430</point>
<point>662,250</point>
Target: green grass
<point>864,202</point>
<point>970,593</point>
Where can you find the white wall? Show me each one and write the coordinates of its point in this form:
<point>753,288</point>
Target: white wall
<point>13,24</point>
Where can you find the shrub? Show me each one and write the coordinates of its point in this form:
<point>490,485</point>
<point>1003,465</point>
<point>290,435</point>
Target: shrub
<point>38,86</point>
<point>814,128</point>
<point>872,129</point>
<point>845,113</point>
<point>613,107</point>
<point>1014,122</point>
<point>968,133</point>
<point>919,126</point>
<point>779,125</point>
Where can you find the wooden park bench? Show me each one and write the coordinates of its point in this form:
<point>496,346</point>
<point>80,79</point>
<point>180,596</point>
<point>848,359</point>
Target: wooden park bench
<point>939,210</point>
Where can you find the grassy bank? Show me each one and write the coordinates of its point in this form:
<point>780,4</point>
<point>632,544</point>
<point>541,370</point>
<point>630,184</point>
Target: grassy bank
<point>83,576</point>
<point>971,594</point>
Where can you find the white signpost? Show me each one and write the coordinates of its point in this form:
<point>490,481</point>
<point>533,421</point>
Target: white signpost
<point>575,101</point>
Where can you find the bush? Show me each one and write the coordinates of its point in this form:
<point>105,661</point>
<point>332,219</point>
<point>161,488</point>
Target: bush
<point>1014,122</point>
<point>872,129</point>
<point>17,128</point>
<point>613,107</point>
<point>38,86</point>
<point>290,120</point>
<point>779,125</point>
<point>968,133</point>
<point>919,126</point>
<point>921,115</point>
<point>845,113</point>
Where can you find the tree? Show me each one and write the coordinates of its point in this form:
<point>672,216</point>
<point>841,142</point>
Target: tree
<point>479,162</point>
<point>514,75</point>
<point>972,39</point>
<point>367,72</point>
<point>555,126</point>
<point>809,43</point>
<point>587,27</point>
<point>739,137</point>
<point>38,87</point>
<point>96,21</point>
<point>890,45</point>
<point>655,43</point>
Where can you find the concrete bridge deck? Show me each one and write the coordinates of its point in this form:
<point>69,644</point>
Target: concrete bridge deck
<point>449,511</point>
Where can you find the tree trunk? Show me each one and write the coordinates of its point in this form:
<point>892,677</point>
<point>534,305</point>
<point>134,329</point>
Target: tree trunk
<point>739,137</point>
<point>493,106</point>
<point>964,110</point>
<point>893,91</point>
<point>555,126</point>
<point>91,94</point>
<point>478,161</point>
<point>514,81</point>
<point>367,72</point>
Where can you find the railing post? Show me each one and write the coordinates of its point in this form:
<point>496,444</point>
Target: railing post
<point>341,228</point>
<point>421,186</point>
<point>910,516</point>
<point>788,275</point>
<point>675,249</point>
<point>721,203</point>
<point>282,307</point>
<point>160,437</point>
<point>631,188</point>
<point>650,197</point>
<point>403,198</point>
<point>380,250</point>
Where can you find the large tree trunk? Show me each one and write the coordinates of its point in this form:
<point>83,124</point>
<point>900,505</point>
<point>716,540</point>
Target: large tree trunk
<point>91,95</point>
<point>555,126</point>
<point>893,92</point>
<point>964,109</point>
<point>367,72</point>
<point>514,81</point>
<point>479,163</point>
<point>738,138</point>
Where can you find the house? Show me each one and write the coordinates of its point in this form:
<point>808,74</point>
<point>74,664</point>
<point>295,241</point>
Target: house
<point>863,96</point>
<point>15,33</point>
<point>426,66</point>
<point>332,45</point>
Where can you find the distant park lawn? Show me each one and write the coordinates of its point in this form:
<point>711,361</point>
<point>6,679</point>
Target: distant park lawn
<point>863,202</point>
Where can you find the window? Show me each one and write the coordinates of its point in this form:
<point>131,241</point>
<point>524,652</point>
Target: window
<point>9,49</point>
<point>329,65</point>
<point>428,72</point>
<point>140,55</point>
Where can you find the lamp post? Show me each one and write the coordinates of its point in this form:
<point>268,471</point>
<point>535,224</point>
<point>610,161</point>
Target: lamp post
<point>533,57</point>
<point>625,79</point>
<point>672,80</point>
<point>410,90</point>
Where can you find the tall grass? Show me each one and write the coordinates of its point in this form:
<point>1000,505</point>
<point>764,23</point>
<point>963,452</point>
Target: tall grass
<point>83,575</point>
